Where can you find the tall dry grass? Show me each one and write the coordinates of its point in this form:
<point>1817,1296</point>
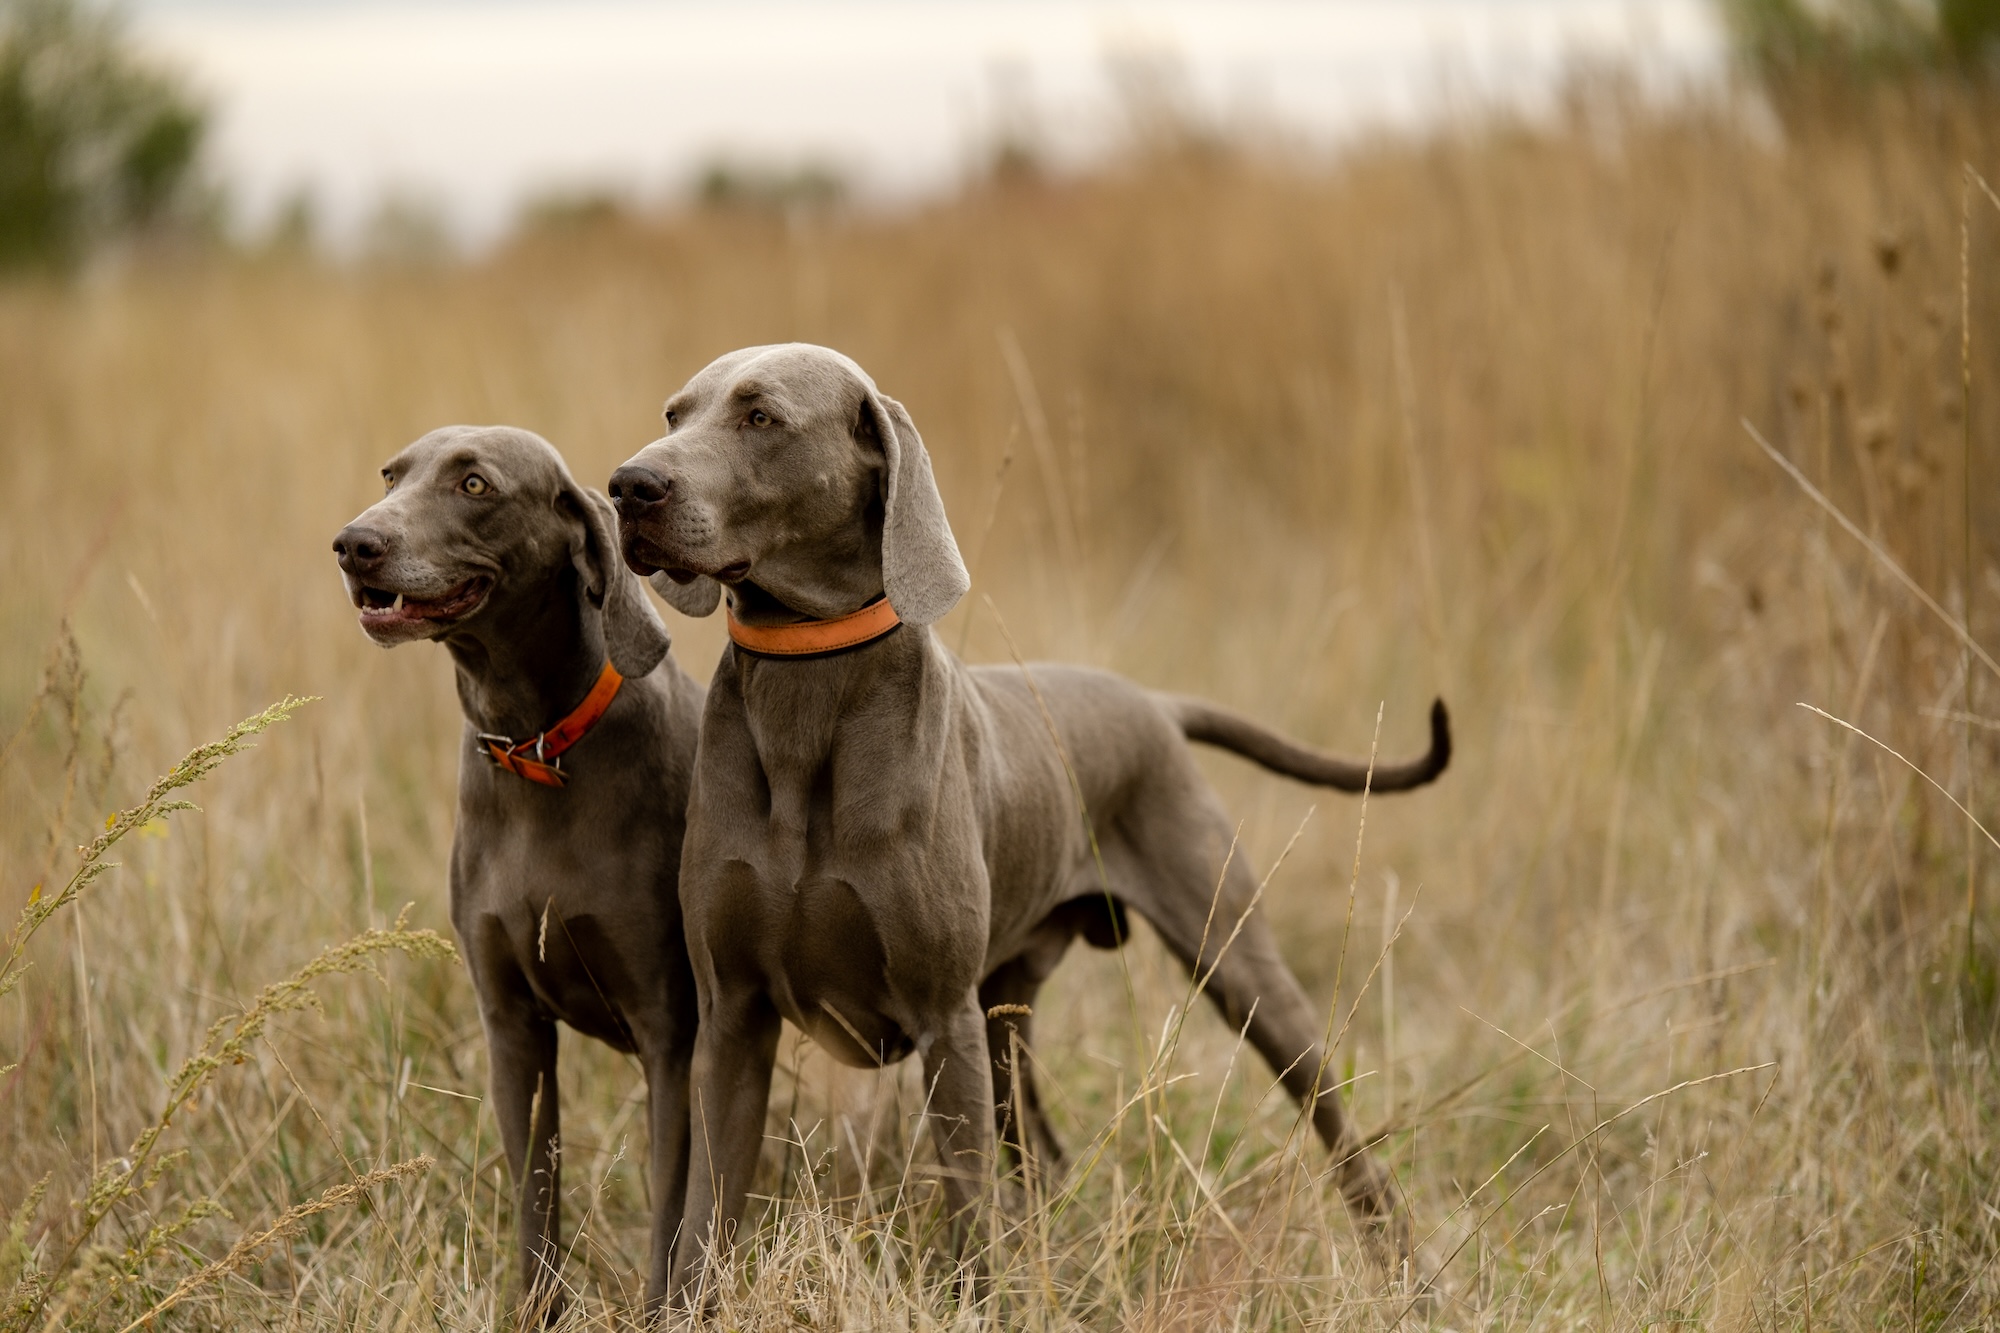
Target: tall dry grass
<point>1457,416</point>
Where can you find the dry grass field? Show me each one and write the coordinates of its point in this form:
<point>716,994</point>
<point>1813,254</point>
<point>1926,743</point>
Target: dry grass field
<point>1673,1003</point>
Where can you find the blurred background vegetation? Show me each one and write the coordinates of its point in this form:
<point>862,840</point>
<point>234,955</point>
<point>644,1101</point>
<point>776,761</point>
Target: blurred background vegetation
<point>101,146</point>
<point>97,145</point>
<point>1786,42</point>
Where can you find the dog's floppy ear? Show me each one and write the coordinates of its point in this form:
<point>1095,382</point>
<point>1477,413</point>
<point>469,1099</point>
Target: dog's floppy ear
<point>634,636</point>
<point>921,570</point>
<point>698,598</point>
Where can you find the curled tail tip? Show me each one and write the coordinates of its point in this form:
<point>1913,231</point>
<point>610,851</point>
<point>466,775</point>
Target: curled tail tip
<point>1440,757</point>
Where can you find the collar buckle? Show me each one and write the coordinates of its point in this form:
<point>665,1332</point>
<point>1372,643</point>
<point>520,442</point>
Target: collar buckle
<point>493,746</point>
<point>539,758</point>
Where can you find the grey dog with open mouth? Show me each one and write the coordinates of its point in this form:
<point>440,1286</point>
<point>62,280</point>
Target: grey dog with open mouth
<point>573,778</point>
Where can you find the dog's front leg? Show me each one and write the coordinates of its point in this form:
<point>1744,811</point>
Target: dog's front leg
<point>667,1163</point>
<point>958,1075</point>
<point>734,1049</point>
<point>522,1048</point>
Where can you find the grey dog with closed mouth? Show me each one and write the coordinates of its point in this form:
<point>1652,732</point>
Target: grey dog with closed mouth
<point>566,901</point>
<point>871,833</point>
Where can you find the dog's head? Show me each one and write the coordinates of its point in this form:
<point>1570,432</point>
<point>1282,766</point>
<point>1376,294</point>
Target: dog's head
<point>786,467</point>
<point>480,519</point>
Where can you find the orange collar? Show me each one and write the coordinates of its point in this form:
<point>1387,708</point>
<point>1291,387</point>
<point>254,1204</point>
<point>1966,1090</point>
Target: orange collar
<point>816,638</point>
<point>539,758</point>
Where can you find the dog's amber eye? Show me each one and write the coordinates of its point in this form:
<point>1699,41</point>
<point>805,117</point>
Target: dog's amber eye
<point>388,481</point>
<point>673,420</point>
<point>759,419</point>
<point>475,485</point>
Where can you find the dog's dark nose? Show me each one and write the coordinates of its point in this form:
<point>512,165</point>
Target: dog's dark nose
<point>359,549</point>
<point>634,490</point>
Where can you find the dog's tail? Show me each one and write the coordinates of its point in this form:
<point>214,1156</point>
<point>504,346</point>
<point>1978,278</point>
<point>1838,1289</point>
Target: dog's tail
<point>1210,724</point>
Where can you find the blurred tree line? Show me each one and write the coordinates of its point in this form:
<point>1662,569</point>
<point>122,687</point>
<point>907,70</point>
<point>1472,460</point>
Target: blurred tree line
<point>1786,43</point>
<point>96,143</point>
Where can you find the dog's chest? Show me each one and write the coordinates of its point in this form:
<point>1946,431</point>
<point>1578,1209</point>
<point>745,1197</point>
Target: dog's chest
<point>861,922</point>
<point>571,915</point>
<point>575,966</point>
<point>833,972</point>
<point>833,854</point>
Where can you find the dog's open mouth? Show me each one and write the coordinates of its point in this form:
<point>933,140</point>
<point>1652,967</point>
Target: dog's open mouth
<point>382,609</point>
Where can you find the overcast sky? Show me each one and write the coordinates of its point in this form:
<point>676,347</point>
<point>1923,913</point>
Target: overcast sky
<point>474,104</point>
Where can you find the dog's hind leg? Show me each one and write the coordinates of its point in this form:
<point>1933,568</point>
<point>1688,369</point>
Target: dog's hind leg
<point>1198,904</point>
<point>1008,998</point>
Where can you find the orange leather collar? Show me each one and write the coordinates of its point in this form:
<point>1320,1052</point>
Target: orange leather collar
<point>539,758</point>
<point>816,638</point>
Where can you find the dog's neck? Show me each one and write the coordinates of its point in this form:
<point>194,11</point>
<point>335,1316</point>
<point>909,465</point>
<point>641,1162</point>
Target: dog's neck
<point>754,604</point>
<point>529,660</point>
<point>797,705</point>
<point>876,706</point>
